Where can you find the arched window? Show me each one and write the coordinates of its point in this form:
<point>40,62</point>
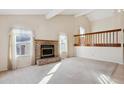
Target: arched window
<point>82,30</point>
<point>63,45</point>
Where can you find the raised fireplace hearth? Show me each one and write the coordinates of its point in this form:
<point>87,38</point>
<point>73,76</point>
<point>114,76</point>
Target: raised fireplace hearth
<point>46,51</point>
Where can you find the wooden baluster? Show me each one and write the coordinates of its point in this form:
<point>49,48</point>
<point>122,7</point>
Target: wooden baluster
<point>110,38</point>
<point>85,39</point>
<point>96,39</point>
<point>101,39</point>
<point>117,37</point>
<point>75,40</point>
<point>91,36</point>
<point>88,40</point>
<point>79,40</point>
<point>106,39</point>
<point>113,38</point>
<point>93,40</point>
<point>82,40</point>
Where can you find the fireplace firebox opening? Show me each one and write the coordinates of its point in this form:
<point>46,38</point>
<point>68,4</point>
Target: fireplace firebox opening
<point>47,51</point>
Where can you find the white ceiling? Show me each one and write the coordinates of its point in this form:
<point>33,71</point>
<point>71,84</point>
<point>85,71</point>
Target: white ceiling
<point>74,11</point>
<point>100,14</point>
<point>39,11</point>
<point>24,11</point>
<point>50,13</point>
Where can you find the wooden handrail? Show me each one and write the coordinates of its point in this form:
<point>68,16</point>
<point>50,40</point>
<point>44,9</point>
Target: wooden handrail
<point>115,30</point>
<point>109,38</point>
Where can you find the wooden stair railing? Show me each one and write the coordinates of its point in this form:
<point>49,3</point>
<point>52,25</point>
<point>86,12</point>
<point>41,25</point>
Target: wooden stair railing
<point>109,38</point>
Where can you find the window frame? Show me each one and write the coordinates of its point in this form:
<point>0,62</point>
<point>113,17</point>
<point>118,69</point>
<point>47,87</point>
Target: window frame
<point>21,43</point>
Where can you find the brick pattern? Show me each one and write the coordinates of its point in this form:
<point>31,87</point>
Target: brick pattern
<point>38,51</point>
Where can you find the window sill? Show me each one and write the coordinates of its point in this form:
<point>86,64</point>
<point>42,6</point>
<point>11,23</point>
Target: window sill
<point>22,55</point>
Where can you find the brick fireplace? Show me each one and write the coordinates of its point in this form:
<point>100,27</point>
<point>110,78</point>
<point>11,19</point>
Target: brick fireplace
<point>46,51</point>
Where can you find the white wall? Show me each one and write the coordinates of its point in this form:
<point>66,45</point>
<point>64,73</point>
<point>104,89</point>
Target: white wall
<point>107,23</point>
<point>110,54</point>
<point>42,28</point>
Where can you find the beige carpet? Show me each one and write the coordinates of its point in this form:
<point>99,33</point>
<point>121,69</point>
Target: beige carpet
<point>69,71</point>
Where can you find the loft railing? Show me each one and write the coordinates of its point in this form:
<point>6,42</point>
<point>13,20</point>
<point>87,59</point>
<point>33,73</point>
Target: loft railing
<point>110,38</point>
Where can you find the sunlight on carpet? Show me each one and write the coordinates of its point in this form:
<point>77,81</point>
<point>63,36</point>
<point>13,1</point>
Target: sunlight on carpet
<point>49,75</point>
<point>103,79</point>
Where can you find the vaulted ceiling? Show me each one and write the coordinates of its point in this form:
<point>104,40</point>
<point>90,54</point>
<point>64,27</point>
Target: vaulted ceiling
<point>92,14</point>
